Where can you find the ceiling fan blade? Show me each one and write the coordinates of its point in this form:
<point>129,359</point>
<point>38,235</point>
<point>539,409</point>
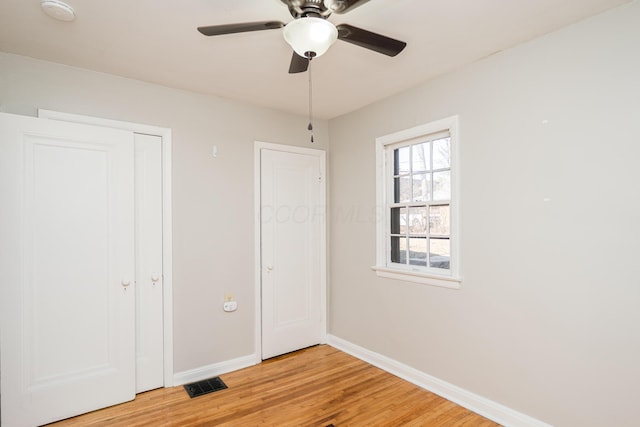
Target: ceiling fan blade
<point>217,30</point>
<point>368,40</point>
<point>343,6</point>
<point>298,64</point>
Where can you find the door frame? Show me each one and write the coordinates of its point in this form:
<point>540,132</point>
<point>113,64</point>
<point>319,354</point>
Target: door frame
<point>321,155</point>
<point>167,256</point>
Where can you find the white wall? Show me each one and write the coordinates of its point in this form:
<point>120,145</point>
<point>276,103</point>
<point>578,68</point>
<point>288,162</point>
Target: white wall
<point>547,321</point>
<point>548,318</point>
<point>213,212</point>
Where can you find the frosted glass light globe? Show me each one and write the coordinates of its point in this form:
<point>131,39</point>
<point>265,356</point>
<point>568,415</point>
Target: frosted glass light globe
<point>310,34</point>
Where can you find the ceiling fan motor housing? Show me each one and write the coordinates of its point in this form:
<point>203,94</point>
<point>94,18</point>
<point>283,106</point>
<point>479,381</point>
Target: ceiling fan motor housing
<point>336,6</point>
<point>305,8</point>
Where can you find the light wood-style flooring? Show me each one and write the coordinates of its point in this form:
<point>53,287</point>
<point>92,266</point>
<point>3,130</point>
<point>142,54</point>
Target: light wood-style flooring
<point>315,387</point>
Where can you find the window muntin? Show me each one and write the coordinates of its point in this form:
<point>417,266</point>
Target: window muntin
<point>420,203</point>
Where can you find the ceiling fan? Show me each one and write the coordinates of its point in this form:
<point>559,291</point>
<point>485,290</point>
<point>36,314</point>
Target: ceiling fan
<point>310,33</point>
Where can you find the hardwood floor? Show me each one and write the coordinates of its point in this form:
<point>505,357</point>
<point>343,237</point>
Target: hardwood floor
<point>315,387</point>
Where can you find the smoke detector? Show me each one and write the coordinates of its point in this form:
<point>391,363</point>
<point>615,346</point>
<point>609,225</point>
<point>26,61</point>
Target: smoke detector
<point>58,10</point>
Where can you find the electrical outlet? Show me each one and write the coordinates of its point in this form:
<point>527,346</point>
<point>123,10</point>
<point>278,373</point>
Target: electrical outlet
<point>230,306</point>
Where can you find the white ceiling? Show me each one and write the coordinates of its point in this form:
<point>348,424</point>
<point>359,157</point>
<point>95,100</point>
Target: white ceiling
<point>157,41</point>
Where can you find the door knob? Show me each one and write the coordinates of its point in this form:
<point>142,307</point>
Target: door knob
<point>155,277</point>
<point>125,283</point>
<point>269,268</point>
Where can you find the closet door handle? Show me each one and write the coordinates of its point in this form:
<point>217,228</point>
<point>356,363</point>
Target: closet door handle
<point>125,283</point>
<point>155,277</point>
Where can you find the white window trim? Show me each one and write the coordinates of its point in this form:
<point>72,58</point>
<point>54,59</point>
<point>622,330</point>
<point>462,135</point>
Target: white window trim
<point>452,278</point>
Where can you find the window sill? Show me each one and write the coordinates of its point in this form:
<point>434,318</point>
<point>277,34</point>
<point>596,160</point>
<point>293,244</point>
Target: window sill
<point>422,278</point>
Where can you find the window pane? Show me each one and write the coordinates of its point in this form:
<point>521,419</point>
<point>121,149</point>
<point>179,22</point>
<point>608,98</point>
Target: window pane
<point>421,160</point>
<point>398,220</point>
<point>439,253</point>
<point>421,185</point>
<point>439,220</point>
<point>399,249</point>
<point>395,220</point>
<point>442,154</point>
<point>418,251</point>
<point>401,160</point>
<point>442,185</point>
<point>418,221</point>
<point>402,189</point>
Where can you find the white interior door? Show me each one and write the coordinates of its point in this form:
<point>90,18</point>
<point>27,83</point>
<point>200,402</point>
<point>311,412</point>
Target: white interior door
<point>66,268</point>
<point>149,277</point>
<point>153,316</point>
<point>292,215</point>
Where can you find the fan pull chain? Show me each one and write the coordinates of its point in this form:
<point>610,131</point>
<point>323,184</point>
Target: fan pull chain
<point>310,127</point>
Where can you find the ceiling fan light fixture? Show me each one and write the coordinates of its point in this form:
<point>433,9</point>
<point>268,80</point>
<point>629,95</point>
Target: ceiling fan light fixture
<point>310,34</point>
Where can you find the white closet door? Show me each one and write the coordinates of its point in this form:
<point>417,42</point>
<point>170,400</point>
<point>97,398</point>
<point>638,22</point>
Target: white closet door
<point>66,269</point>
<point>292,212</point>
<point>149,319</point>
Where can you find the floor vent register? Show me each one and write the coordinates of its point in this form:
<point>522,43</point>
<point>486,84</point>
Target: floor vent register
<point>205,387</point>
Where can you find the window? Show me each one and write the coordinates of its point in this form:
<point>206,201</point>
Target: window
<point>417,233</point>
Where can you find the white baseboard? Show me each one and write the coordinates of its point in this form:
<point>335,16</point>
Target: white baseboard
<point>215,369</point>
<point>478,404</point>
